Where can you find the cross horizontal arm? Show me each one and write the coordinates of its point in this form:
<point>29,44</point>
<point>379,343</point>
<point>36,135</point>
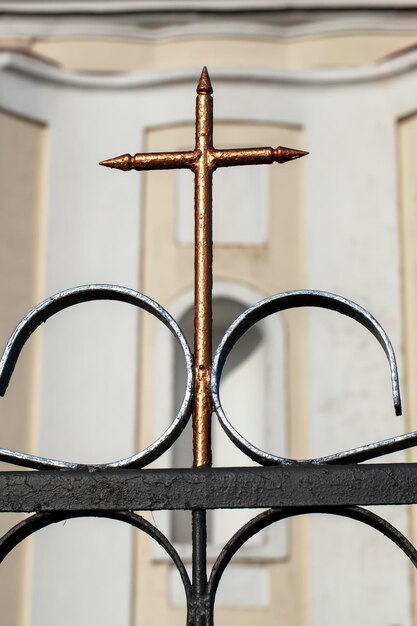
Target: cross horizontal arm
<point>153,161</point>
<point>254,156</point>
<point>209,488</point>
<point>216,158</point>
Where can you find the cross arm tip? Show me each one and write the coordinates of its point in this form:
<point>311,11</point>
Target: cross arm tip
<point>123,162</point>
<point>282,154</point>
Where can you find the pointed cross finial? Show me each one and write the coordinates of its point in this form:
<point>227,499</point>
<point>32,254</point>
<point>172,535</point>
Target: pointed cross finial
<point>204,84</point>
<point>122,162</point>
<point>288,154</point>
<point>203,160</point>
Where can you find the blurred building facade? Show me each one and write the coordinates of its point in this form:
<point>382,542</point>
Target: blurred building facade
<point>85,81</point>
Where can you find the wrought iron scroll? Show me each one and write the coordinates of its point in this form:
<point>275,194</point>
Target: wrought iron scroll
<point>334,484</point>
<point>63,300</point>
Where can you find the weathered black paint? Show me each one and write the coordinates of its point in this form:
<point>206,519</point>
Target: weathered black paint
<point>305,485</point>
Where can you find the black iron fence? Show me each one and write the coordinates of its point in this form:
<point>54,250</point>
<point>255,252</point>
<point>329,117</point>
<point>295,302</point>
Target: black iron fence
<point>336,484</point>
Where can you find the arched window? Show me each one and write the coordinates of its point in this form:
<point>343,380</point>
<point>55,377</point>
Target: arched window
<point>253,396</point>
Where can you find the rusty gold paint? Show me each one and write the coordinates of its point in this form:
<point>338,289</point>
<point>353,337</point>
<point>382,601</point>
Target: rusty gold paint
<point>203,160</point>
<point>203,261</point>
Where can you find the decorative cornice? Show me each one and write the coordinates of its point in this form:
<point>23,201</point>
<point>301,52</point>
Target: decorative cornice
<point>324,23</point>
<point>21,63</point>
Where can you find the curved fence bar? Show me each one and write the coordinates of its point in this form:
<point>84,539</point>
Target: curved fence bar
<point>78,295</point>
<point>282,302</point>
<point>267,518</point>
<point>36,522</point>
<point>371,450</point>
<point>35,462</point>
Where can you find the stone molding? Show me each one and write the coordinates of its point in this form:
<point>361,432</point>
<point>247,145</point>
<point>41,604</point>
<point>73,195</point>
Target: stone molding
<point>26,64</point>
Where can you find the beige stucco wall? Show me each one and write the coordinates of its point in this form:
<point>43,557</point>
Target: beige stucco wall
<point>22,163</point>
<point>407,137</point>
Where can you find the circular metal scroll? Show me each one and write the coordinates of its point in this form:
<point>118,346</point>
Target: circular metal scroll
<point>77,295</point>
<point>36,522</point>
<point>290,300</point>
<point>265,519</point>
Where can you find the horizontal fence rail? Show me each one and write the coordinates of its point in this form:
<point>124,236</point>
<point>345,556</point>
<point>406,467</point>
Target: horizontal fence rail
<point>301,485</point>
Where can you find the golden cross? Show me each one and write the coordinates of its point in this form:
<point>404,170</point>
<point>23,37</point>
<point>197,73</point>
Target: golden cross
<point>203,161</point>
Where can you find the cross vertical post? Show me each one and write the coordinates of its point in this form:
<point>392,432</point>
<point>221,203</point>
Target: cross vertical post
<point>203,264</point>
